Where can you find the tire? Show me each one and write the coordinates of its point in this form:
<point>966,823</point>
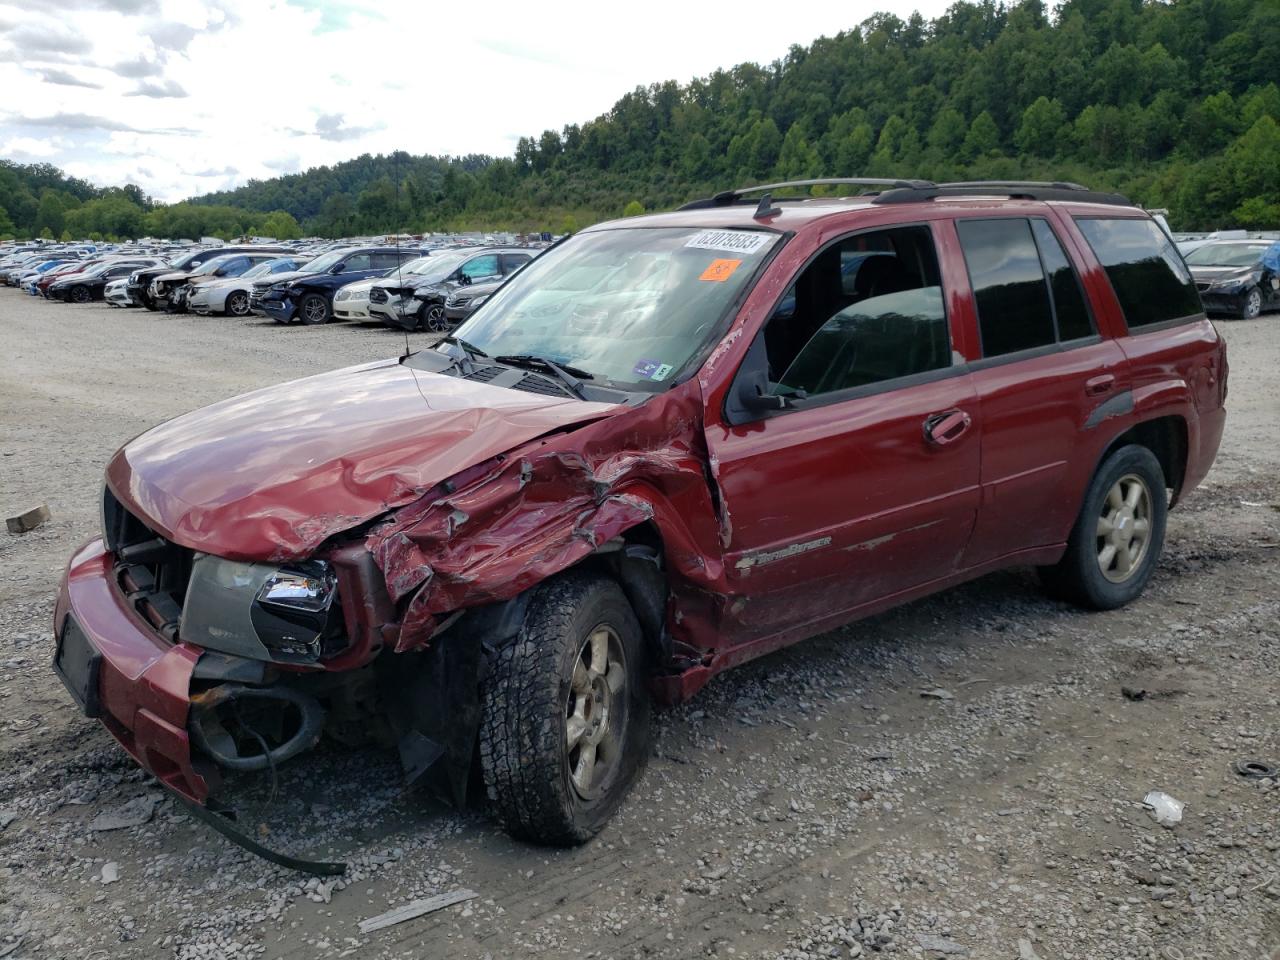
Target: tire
<point>1252,307</point>
<point>542,787</point>
<point>314,309</point>
<point>1116,541</point>
<point>80,294</point>
<point>237,304</point>
<point>432,318</point>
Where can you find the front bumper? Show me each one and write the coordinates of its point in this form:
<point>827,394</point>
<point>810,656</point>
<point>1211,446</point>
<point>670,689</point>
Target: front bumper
<point>1219,302</point>
<point>143,683</point>
<point>355,308</point>
<point>401,314</point>
<point>280,308</point>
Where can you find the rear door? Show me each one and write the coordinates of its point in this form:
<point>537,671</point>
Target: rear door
<point>1045,379</point>
<point>866,483</point>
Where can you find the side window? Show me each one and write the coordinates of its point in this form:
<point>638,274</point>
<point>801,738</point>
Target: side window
<point>1069,310</point>
<point>385,261</point>
<point>480,267</point>
<point>357,261</point>
<point>511,262</point>
<point>1145,269</point>
<point>1008,285</point>
<point>283,266</point>
<point>233,268</point>
<point>868,309</point>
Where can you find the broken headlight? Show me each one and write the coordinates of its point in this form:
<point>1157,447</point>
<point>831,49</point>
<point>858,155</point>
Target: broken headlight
<point>286,614</point>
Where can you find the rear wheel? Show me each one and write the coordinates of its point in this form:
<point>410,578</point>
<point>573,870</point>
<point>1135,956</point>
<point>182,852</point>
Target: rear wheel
<point>1116,542</point>
<point>1252,307</point>
<point>80,295</point>
<point>314,309</point>
<point>238,303</point>
<point>565,729</point>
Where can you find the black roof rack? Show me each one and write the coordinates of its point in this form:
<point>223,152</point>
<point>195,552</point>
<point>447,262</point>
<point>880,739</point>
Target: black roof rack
<point>1014,189</point>
<point>915,191</point>
<point>727,197</point>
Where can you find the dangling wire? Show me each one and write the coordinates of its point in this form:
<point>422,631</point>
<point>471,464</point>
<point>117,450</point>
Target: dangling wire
<point>399,274</point>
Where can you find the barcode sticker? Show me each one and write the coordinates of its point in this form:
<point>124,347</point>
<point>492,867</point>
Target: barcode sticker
<point>733,241</point>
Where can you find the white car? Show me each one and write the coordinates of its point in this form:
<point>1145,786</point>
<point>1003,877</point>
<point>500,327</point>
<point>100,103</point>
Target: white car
<point>352,301</point>
<point>116,293</point>
<point>231,295</point>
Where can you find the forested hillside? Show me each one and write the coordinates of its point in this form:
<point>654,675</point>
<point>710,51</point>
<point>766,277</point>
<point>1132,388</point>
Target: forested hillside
<point>1173,103</point>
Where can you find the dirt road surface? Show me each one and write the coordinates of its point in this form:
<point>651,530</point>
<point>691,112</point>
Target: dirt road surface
<point>810,804</point>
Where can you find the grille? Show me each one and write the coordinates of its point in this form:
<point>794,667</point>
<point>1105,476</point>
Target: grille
<point>151,572</point>
<point>377,295</point>
<point>456,300</point>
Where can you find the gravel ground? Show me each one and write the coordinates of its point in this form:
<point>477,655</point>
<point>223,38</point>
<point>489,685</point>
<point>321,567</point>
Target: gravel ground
<point>810,804</point>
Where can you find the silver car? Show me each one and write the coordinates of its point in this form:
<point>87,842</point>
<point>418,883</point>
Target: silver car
<point>231,295</point>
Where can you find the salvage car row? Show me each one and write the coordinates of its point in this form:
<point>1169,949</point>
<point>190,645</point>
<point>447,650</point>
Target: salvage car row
<point>401,286</point>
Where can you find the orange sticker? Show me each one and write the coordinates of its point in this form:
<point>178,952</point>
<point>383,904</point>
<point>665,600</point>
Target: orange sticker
<point>720,270</point>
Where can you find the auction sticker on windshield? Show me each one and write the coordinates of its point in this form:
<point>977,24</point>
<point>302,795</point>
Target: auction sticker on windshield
<point>720,270</point>
<point>734,241</point>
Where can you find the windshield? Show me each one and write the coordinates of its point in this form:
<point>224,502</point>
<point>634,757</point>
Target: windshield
<point>212,266</point>
<point>1226,255</point>
<point>323,262</point>
<point>434,268</point>
<point>629,306</point>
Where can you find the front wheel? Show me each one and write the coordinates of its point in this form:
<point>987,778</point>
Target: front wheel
<point>80,295</point>
<point>565,729</point>
<point>238,303</point>
<point>433,319</point>
<point>314,309</point>
<point>1116,542</point>
<point>1252,307</point>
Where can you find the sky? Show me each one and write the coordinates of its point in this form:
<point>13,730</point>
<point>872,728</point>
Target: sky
<point>183,97</point>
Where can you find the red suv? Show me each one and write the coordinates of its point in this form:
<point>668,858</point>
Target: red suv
<point>668,445</point>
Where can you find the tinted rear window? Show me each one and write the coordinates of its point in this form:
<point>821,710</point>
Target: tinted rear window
<point>1073,317</point>
<point>1146,272</point>
<point>1008,285</point>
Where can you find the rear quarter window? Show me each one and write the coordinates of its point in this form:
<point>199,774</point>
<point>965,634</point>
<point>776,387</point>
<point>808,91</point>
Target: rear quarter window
<point>1146,271</point>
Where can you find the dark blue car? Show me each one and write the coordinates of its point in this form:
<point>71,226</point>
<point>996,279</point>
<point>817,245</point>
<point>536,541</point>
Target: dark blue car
<point>307,294</point>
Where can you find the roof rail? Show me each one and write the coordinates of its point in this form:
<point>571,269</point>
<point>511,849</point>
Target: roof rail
<point>726,197</point>
<point>1014,189</point>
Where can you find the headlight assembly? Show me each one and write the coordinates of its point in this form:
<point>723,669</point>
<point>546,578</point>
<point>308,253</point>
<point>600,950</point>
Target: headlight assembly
<point>286,614</point>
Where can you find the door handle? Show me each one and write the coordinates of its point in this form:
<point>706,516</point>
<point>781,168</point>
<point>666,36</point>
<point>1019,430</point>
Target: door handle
<point>1096,386</point>
<point>946,427</point>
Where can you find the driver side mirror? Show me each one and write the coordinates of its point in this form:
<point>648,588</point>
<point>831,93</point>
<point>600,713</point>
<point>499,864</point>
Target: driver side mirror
<point>464,279</point>
<point>337,268</point>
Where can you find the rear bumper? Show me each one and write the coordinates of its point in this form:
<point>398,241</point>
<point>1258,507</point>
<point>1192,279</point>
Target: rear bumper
<point>143,682</point>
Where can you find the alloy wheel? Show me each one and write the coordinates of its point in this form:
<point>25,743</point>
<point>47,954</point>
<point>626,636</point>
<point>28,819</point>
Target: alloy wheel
<point>238,304</point>
<point>1253,304</point>
<point>596,712</point>
<point>314,311</point>
<point>1124,528</point>
<point>435,318</point>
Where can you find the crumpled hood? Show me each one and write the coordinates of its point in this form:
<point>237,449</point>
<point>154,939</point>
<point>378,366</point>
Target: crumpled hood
<point>1214,274</point>
<point>272,474</point>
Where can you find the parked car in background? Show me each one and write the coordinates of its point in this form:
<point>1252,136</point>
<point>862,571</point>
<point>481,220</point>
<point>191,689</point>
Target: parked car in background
<point>89,285</point>
<point>1237,278</point>
<point>230,266</point>
<point>183,263</point>
<point>38,286</point>
<point>116,293</point>
<point>307,297</point>
<point>230,295</point>
<point>463,301</point>
<point>417,302</point>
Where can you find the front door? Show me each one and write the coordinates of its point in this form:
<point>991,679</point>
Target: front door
<point>864,482</point>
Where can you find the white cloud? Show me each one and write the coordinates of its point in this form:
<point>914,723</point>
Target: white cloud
<point>30,148</point>
<point>276,86</point>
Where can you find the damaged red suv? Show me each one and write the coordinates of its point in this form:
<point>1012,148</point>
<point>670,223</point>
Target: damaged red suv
<point>668,445</point>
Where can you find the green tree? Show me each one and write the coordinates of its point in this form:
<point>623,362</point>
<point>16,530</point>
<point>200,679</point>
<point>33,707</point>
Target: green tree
<point>569,224</point>
<point>1041,128</point>
<point>281,225</point>
<point>798,160</point>
<point>983,138</point>
<point>633,209</point>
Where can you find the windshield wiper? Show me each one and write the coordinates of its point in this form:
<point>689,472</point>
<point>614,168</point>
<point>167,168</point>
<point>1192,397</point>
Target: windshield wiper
<point>471,350</point>
<point>570,376</point>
